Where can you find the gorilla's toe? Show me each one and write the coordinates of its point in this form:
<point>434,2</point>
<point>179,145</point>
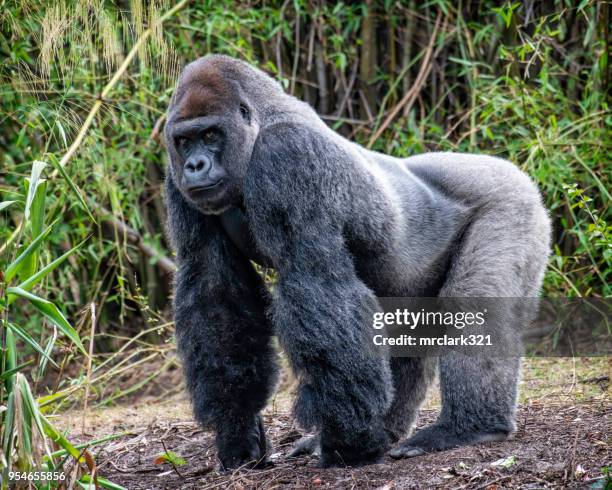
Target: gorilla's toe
<point>307,445</point>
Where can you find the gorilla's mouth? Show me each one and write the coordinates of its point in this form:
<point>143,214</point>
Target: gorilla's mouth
<point>200,191</point>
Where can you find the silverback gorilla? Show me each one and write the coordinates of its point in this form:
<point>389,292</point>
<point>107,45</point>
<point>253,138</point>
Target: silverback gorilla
<point>256,175</point>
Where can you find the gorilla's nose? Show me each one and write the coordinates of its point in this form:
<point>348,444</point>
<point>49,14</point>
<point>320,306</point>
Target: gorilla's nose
<point>195,171</point>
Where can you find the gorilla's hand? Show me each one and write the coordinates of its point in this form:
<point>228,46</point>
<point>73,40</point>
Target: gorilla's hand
<point>364,447</point>
<point>243,446</point>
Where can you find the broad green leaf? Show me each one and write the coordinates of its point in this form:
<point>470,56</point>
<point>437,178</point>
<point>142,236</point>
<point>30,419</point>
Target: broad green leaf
<point>14,267</point>
<point>40,275</point>
<point>52,312</point>
<point>37,209</point>
<point>25,336</point>
<point>73,187</point>
<point>37,218</point>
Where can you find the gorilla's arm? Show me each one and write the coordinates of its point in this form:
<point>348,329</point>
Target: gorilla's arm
<point>298,199</point>
<point>222,333</point>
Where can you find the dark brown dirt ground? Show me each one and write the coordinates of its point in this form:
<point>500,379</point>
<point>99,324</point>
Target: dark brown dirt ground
<point>554,447</point>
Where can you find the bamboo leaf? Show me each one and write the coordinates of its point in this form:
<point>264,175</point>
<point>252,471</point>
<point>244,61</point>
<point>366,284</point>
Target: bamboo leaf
<point>42,365</point>
<point>40,275</point>
<point>32,408</point>
<point>9,424</point>
<point>6,204</point>
<point>37,218</point>
<point>14,267</point>
<point>37,168</point>
<point>57,437</point>
<point>87,482</point>
<point>62,452</point>
<point>25,336</point>
<point>50,311</point>
<point>15,370</point>
<point>10,359</point>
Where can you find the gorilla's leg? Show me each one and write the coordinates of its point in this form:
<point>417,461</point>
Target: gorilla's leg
<point>223,335</point>
<point>411,379</point>
<point>478,405</point>
<point>479,394</point>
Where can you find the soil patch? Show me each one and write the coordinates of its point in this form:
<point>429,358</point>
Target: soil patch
<point>554,447</point>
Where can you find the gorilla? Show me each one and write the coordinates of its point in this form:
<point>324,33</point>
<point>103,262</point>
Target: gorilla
<point>255,175</point>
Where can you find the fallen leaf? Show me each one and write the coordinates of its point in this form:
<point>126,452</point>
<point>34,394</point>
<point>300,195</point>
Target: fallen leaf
<point>505,462</point>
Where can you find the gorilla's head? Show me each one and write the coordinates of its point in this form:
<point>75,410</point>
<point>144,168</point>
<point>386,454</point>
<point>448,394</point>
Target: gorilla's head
<point>213,122</point>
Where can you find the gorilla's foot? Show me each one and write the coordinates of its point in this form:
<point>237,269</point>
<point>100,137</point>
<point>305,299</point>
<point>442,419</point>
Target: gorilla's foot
<point>306,446</point>
<point>440,438</point>
<point>249,452</point>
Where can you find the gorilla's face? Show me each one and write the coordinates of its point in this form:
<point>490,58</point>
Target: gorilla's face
<point>210,134</point>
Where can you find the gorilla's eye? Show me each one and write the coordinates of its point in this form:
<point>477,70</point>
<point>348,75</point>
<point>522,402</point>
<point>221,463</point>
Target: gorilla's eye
<point>244,112</point>
<point>180,142</point>
<point>210,136</point>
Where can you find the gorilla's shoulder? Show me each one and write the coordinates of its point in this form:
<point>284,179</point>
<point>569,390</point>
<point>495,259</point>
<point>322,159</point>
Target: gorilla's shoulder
<point>297,162</point>
<point>300,144</point>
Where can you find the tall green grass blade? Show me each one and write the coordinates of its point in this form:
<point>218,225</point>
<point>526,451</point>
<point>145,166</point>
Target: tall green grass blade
<point>15,370</point>
<point>95,442</point>
<point>8,439</point>
<point>27,338</point>
<point>6,204</point>
<point>23,424</point>
<point>10,359</point>
<point>50,311</point>
<point>42,365</point>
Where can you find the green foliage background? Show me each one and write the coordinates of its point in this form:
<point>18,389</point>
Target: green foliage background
<point>525,81</point>
<point>84,86</point>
